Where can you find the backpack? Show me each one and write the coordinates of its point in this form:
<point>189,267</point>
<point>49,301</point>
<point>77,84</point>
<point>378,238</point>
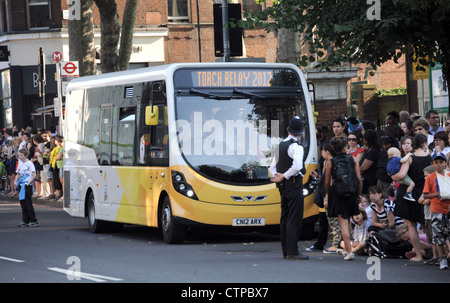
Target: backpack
<point>345,183</point>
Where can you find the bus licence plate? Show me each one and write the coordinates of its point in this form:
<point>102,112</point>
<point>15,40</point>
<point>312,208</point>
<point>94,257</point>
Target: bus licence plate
<point>248,221</point>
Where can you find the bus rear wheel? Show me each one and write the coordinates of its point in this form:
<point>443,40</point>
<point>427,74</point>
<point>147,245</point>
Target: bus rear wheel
<point>173,233</point>
<point>95,225</point>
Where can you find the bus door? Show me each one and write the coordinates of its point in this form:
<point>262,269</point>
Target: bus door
<point>154,139</point>
<point>105,151</point>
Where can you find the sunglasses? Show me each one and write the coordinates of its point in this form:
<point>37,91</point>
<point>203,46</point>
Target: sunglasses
<point>352,139</point>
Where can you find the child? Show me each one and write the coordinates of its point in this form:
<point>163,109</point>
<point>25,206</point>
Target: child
<point>382,211</point>
<point>403,233</point>
<point>364,203</point>
<point>439,206</point>
<point>427,224</point>
<point>25,176</point>
<point>393,167</point>
<point>360,232</point>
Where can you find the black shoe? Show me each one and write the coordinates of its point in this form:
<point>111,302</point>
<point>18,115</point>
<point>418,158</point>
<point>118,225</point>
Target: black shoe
<point>297,257</point>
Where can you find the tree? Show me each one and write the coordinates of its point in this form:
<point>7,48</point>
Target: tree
<point>113,59</point>
<point>352,31</point>
<point>81,39</point>
<point>81,36</point>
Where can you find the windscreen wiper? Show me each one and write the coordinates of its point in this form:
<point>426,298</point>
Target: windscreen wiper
<point>204,94</point>
<point>246,93</point>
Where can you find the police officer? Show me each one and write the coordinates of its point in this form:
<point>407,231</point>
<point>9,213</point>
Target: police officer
<point>286,169</point>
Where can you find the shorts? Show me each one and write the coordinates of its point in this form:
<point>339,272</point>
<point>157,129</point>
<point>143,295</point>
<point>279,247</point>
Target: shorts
<point>405,181</point>
<point>47,171</point>
<point>439,225</point>
<point>428,230</point>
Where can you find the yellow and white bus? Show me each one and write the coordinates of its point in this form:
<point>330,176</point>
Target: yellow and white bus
<point>180,145</point>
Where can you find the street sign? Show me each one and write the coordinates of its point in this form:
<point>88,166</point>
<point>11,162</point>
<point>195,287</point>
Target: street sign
<point>419,74</point>
<point>57,56</point>
<point>57,107</point>
<point>69,69</point>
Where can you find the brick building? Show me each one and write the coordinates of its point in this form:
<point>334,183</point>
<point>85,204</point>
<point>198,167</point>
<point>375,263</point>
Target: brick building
<point>167,31</point>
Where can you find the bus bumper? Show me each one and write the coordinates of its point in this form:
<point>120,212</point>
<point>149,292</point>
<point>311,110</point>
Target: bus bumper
<point>193,212</point>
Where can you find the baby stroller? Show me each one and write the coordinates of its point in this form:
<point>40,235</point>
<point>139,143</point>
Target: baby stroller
<point>387,244</point>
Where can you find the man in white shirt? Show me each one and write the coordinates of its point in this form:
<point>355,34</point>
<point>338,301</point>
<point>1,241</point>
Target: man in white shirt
<point>433,118</point>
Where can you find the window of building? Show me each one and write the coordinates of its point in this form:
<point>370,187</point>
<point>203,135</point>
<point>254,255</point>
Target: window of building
<point>38,14</point>
<point>250,6</point>
<point>5,96</point>
<point>178,10</point>
<point>3,19</point>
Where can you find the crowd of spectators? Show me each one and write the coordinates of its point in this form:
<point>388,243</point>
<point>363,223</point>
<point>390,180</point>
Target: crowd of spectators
<point>46,150</point>
<point>394,162</point>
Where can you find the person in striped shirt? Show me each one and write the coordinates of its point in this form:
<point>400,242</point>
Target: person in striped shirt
<point>382,211</point>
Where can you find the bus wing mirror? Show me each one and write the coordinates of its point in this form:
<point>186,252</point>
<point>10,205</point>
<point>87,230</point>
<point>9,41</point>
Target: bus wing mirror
<point>151,115</point>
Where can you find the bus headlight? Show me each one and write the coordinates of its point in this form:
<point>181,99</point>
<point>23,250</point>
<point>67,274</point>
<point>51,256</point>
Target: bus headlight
<point>181,186</point>
<point>310,186</point>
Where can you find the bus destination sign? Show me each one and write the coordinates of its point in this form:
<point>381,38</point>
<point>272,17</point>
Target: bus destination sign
<point>235,78</point>
<point>232,78</point>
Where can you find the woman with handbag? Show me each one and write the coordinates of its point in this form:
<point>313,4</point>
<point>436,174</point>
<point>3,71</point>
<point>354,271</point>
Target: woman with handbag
<point>319,196</point>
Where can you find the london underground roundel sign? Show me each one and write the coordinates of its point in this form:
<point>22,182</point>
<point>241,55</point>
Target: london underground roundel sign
<point>69,69</point>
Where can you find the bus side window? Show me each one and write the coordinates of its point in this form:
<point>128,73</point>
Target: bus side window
<point>154,140</point>
<point>126,129</point>
<point>105,136</point>
<point>92,114</point>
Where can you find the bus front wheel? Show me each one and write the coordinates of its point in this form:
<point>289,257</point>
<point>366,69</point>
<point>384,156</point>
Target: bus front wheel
<point>173,233</point>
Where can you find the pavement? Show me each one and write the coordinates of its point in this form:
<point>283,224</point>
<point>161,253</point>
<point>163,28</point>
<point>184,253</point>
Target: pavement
<point>52,202</point>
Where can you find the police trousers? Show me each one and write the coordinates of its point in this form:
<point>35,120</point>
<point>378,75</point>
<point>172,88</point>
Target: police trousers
<point>291,192</point>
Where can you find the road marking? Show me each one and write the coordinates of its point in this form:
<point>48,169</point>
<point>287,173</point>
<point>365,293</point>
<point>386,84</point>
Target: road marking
<point>12,260</point>
<point>92,277</point>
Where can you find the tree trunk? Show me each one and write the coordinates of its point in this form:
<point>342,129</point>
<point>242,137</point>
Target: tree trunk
<point>411,84</point>
<point>126,39</point>
<point>110,31</point>
<point>81,40</point>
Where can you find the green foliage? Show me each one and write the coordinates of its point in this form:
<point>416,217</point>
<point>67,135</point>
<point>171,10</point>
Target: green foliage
<point>399,91</point>
<point>340,31</point>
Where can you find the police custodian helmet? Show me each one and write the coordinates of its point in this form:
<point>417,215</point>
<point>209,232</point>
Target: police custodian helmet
<point>295,126</point>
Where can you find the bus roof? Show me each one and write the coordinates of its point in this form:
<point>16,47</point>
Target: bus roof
<point>146,74</point>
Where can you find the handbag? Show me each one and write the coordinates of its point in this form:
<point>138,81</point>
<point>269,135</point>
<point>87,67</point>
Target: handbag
<point>443,185</point>
<point>320,192</point>
<point>318,198</point>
